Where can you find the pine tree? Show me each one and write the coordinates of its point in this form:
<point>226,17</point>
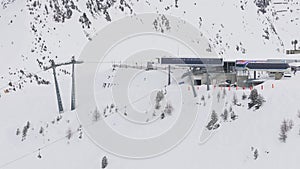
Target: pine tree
<point>41,131</point>
<point>282,135</point>
<point>39,154</point>
<point>18,131</point>
<point>255,154</point>
<point>202,98</point>
<point>224,93</point>
<point>214,116</point>
<point>213,120</point>
<point>233,116</point>
<point>253,95</point>
<point>255,99</point>
<point>260,100</point>
<point>230,108</point>
<point>96,115</point>
<point>158,99</point>
<point>159,96</point>
<point>291,124</point>
<point>162,116</point>
<point>104,162</point>
<point>225,115</point>
<point>208,96</point>
<point>218,96</point>
<point>25,130</point>
<point>69,134</point>
<point>284,128</point>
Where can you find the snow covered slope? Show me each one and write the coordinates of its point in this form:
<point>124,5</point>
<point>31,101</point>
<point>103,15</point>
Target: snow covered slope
<point>35,135</point>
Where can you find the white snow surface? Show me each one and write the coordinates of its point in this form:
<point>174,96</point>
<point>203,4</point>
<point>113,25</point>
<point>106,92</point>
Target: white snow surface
<point>231,146</point>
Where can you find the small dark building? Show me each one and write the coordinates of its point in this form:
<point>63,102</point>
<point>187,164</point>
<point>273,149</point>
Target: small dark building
<point>276,68</point>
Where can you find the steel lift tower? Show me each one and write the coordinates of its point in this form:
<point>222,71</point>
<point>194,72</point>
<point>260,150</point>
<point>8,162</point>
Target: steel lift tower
<point>59,101</point>
<point>73,62</point>
<point>190,73</point>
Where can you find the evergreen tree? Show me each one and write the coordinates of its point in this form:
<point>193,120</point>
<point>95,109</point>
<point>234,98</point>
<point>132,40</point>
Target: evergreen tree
<point>214,119</point>
<point>69,134</point>
<point>285,127</point>
<point>159,97</point>
<point>253,95</point>
<point>225,115</point>
<point>224,93</point>
<point>202,98</point>
<point>104,162</point>
<point>255,154</point>
<point>218,96</point>
<point>282,135</point>
<point>233,116</point>
<point>255,99</point>
<point>41,131</point>
<point>96,115</point>
<point>18,131</point>
<point>25,130</point>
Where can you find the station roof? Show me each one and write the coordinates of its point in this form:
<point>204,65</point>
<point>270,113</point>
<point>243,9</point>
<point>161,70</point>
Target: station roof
<point>267,66</point>
<point>193,61</point>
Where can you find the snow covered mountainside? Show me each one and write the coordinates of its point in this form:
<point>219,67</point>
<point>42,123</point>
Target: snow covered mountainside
<point>151,124</point>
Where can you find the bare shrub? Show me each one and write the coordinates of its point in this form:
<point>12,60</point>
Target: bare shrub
<point>169,109</point>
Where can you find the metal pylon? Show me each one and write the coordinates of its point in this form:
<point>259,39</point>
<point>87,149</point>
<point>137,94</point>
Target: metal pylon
<point>59,101</point>
<point>73,90</point>
<point>73,101</point>
<point>169,75</point>
<point>192,83</point>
